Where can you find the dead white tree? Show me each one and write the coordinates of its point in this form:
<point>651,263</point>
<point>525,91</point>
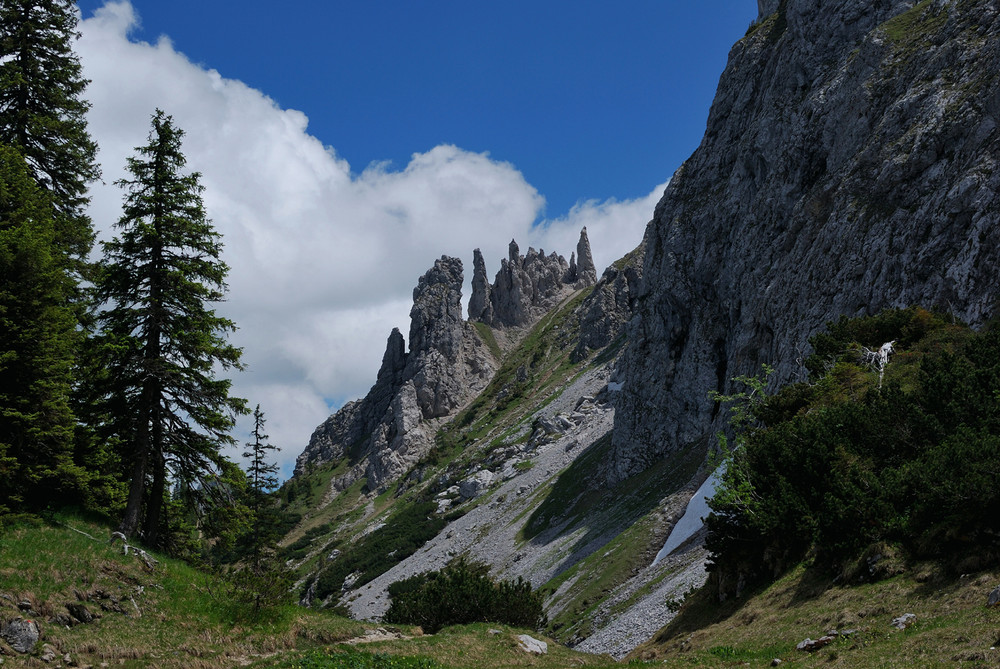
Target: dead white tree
<point>877,360</point>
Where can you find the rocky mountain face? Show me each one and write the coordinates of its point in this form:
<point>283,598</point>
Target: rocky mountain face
<point>448,364</point>
<point>386,432</point>
<point>608,309</point>
<point>849,165</point>
<point>528,286</point>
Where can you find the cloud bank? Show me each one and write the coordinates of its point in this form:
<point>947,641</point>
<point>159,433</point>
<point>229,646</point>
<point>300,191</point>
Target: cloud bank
<point>323,258</point>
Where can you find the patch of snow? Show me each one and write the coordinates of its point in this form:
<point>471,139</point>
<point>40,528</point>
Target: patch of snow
<point>692,520</point>
<point>614,387</point>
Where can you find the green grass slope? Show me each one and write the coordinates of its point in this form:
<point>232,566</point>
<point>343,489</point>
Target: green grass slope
<point>953,626</point>
<point>172,615</point>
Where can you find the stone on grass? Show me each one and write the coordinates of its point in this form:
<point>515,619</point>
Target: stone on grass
<point>811,645</point>
<point>904,621</point>
<point>532,645</point>
<point>21,634</point>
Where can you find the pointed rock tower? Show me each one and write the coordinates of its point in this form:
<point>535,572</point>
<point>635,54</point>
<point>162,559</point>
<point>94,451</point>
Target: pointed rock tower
<point>392,427</point>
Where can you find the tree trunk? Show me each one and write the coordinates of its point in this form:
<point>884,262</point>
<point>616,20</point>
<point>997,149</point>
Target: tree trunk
<point>136,489</point>
<point>153,509</point>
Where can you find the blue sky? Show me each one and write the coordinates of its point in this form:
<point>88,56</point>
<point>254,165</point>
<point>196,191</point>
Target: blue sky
<point>346,146</point>
<point>587,99</point>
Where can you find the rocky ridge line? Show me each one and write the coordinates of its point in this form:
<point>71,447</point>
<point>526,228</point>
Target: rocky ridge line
<point>528,286</point>
<point>448,364</point>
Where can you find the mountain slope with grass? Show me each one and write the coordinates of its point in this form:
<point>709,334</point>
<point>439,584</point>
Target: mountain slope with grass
<point>849,165</point>
<point>515,480</point>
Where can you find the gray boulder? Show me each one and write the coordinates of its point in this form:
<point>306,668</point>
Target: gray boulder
<point>904,621</point>
<point>21,634</point>
<point>475,485</point>
<point>530,644</point>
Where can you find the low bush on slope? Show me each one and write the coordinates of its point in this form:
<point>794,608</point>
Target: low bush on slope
<point>463,593</point>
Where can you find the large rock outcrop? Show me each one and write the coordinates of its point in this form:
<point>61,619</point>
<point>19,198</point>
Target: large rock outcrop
<point>605,313</point>
<point>387,431</point>
<point>849,165</point>
<point>528,286</point>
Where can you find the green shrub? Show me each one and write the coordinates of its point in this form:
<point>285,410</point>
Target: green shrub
<point>833,469</point>
<point>463,593</point>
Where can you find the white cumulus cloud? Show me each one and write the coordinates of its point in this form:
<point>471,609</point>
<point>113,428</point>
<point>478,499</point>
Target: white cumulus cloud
<point>323,259</point>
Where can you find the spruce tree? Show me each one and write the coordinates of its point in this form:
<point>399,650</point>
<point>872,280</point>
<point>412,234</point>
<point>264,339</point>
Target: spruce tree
<point>43,115</point>
<point>160,336</point>
<point>262,480</point>
<point>261,581</point>
<point>36,350</point>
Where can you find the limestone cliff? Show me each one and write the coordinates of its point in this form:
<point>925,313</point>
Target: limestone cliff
<point>606,312</point>
<point>849,164</point>
<point>386,432</point>
<point>528,286</point>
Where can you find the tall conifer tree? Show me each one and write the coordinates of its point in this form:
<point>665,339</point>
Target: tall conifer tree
<point>36,354</point>
<point>159,333</point>
<point>43,114</point>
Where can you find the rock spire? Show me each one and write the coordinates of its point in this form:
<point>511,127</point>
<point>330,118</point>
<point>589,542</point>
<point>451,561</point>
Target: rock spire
<point>527,286</point>
<point>386,432</point>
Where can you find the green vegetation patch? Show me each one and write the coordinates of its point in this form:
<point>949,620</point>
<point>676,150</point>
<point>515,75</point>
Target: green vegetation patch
<point>487,646</point>
<point>486,334</point>
<point>463,593</point>
<point>867,469</point>
<point>914,28</point>
<point>373,555</point>
<point>170,615</point>
<point>619,520</point>
<point>531,376</point>
<point>580,491</point>
<point>344,657</point>
<point>952,628</point>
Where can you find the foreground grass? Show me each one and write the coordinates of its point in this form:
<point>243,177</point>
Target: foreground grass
<point>477,646</point>
<point>953,627</point>
<point>170,616</point>
<point>176,616</point>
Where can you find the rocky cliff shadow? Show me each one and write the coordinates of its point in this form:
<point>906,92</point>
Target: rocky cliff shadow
<point>580,499</point>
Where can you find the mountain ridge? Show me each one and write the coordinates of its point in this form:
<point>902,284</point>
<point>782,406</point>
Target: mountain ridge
<point>848,165</point>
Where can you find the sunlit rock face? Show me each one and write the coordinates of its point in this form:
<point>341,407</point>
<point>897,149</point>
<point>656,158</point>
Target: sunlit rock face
<point>384,434</point>
<point>528,286</point>
<point>849,164</point>
<point>605,313</point>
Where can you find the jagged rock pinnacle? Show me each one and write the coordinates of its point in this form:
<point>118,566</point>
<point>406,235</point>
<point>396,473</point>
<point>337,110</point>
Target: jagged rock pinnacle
<point>386,432</point>
<point>513,252</point>
<point>394,359</point>
<point>586,272</point>
<point>479,303</point>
